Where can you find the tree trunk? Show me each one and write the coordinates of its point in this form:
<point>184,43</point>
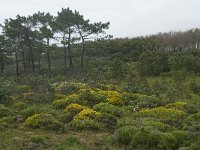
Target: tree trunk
<point>83,52</point>
<point>48,55</point>
<point>69,49</point>
<point>2,62</point>
<point>23,57</point>
<point>31,52</point>
<point>39,63</point>
<point>17,63</point>
<point>65,53</point>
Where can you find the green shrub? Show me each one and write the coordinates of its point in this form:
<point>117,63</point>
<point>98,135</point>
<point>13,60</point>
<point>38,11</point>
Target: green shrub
<point>181,137</point>
<point>22,89</point>
<point>43,121</point>
<point>75,108</point>
<point>85,125</point>
<point>195,145</point>
<point>145,101</point>
<point>153,125</point>
<point>4,96</point>
<point>66,88</point>
<point>176,105</point>
<point>70,143</point>
<point>109,121</point>
<point>4,111</point>
<point>9,120</point>
<point>171,116</point>
<point>66,117</point>
<point>125,134</point>
<point>38,139</point>
<point>129,98</point>
<point>154,140</point>
<point>87,114</point>
<point>62,103</point>
<point>108,108</point>
<point>29,111</point>
<point>19,106</point>
<point>90,97</point>
<point>41,88</point>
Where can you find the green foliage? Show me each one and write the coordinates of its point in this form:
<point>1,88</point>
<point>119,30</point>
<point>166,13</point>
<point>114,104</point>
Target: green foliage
<point>107,120</point>
<point>87,114</point>
<point>43,121</point>
<point>86,124</point>
<point>42,90</point>
<point>70,143</point>
<point>124,134</point>
<point>108,108</point>
<point>20,89</point>
<point>68,88</point>
<point>188,61</point>
<point>19,106</point>
<point>171,116</point>
<point>90,97</point>
<point>145,101</point>
<point>4,111</point>
<point>62,103</point>
<point>153,63</point>
<point>38,139</point>
<point>75,108</point>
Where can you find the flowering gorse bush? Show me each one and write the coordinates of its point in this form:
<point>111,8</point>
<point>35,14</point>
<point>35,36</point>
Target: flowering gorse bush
<point>87,114</point>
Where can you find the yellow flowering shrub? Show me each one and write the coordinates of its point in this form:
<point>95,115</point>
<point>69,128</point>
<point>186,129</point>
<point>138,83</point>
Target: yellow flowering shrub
<point>43,121</point>
<point>62,103</point>
<point>91,97</point>
<point>68,87</point>
<point>87,114</point>
<point>176,105</point>
<point>114,97</point>
<point>74,108</point>
<point>162,113</point>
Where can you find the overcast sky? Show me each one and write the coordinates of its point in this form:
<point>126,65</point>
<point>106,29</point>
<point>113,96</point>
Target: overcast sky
<point>128,18</point>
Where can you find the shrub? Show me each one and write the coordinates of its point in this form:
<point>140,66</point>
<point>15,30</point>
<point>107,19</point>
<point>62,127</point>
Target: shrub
<point>4,98</point>
<point>115,98</point>
<point>125,134</point>
<point>176,105</point>
<point>145,101</point>
<point>43,121</point>
<point>90,97</point>
<point>87,114</point>
<point>22,89</point>
<point>70,143</point>
<point>42,90</point>
<point>154,125</point>
<point>85,125</point>
<point>191,123</point>
<point>164,114</point>
<point>38,139</point>
<point>68,88</point>
<point>19,106</point>
<point>195,145</point>
<point>4,111</point>
<point>109,121</point>
<point>129,98</point>
<point>29,111</point>
<point>9,120</point>
<point>62,103</point>
<point>108,108</point>
<point>75,108</point>
<point>181,136</point>
<point>153,140</point>
<point>66,117</point>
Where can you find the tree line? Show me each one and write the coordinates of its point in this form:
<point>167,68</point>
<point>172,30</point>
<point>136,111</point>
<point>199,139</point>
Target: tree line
<point>25,40</point>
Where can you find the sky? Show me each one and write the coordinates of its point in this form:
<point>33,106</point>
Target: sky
<point>128,18</point>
